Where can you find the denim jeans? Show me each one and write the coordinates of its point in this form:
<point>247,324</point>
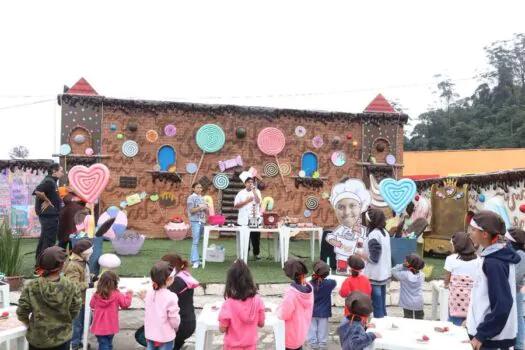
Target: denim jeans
<point>379,300</point>
<point>197,228</point>
<point>458,321</point>
<point>94,267</point>
<point>105,342</point>
<point>164,346</point>
<point>318,332</point>
<point>78,327</point>
<point>521,322</point>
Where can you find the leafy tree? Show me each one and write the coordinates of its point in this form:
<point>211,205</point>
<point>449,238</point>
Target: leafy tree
<point>19,152</point>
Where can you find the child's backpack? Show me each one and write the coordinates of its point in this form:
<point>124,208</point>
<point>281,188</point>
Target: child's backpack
<point>459,295</point>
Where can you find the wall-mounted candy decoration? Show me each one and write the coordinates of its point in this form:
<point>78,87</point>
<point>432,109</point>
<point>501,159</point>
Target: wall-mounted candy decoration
<point>312,202</point>
<point>481,198</point>
<point>167,199</point>
<point>128,181</point>
<point>170,130</point>
<point>209,202</point>
<point>307,213</point>
<point>285,168</point>
<point>120,136</point>
<point>89,151</point>
<point>133,199</point>
<point>65,149</point>
<point>152,136</point>
<point>191,168</point>
<point>172,169</point>
<point>271,141</point>
<point>317,142</point>
<point>130,148</point>
<point>336,141</point>
<point>349,136</point>
<point>154,197</point>
<point>230,163</point>
<point>302,173</point>
<point>316,175</point>
<point>398,194</point>
<point>123,204</point>
<point>325,195</point>
<point>143,195</point>
<point>390,159</point>
<point>119,226</point>
<point>271,169</point>
<point>372,160</point>
<point>156,167</point>
<point>522,208</point>
<point>210,138</point>
<point>79,139</point>
<point>355,143</point>
<point>300,131</point>
<point>205,182</point>
<point>89,183</point>
<point>132,127</point>
<point>113,127</point>
<point>267,204</point>
<point>338,158</point>
<point>221,181</point>
<point>240,133</point>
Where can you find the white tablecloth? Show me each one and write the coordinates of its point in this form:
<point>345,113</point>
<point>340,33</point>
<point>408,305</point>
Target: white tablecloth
<point>439,296</point>
<point>405,337</point>
<point>16,334</point>
<point>208,322</point>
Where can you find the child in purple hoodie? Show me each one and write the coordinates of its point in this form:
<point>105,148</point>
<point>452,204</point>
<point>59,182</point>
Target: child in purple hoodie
<point>297,305</point>
<point>242,311</point>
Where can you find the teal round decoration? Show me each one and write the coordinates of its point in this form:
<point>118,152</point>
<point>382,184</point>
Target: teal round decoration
<point>221,181</point>
<point>210,138</point>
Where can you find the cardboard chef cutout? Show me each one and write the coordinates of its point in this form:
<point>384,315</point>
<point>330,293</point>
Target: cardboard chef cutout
<point>349,199</point>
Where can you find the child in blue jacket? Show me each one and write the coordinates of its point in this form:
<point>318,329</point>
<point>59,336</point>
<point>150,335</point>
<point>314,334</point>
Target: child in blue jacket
<point>318,331</point>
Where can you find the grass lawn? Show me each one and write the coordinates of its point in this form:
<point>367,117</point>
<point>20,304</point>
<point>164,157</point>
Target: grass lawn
<point>264,271</point>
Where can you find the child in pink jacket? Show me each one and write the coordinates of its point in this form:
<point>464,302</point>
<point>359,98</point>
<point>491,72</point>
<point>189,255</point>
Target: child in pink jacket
<point>297,305</point>
<point>161,320</point>
<point>105,304</point>
<point>243,310</point>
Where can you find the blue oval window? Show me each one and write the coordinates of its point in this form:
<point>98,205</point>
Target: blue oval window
<point>166,157</point>
<point>309,163</point>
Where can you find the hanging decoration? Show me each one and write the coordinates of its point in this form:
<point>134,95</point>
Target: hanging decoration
<point>317,142</point>
<point>221,181</point>
<point>210,138</point>
<point>312,202</point>
<point>338,158</point>
<point>271,141</point>
<point>65,149</point>
<point>285,168</point>
<point>170,130</point>
<point>130,148</point>
<point>152,136</point>
<point>300,131</point>
<point>271,169</point>
<point>240,133</point>
<point>397,194</point>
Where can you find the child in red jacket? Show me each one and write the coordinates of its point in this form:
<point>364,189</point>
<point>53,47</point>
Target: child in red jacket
<point>356,281</point>
<point>105,304</point>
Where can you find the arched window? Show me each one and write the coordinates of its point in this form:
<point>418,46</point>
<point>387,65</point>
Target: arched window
<point>309,163</point>
<point>166,157</point>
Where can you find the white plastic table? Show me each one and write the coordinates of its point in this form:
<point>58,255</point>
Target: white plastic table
<point>208,322</point>
<point>239,237</point>
<point>439,296</point>
<point>17,334</point>
<point>135,284</point>
<point>4,294</point>
<point>409,330</point>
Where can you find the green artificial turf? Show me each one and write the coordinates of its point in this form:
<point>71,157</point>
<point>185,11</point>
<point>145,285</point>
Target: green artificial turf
<point>264,271</point>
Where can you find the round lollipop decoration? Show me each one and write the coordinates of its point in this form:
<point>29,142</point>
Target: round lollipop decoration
<point>221,181</point>
<point>271,169</point>
<point>300,131</point>
<point>338,158</point>
<point>170,130</point>
<point>191,168</point>
<point>271,141</point>
<point>285,169</point>
<point>130,148</point>
<point>210,138</point>
<point>152,136</point>
<point>312,202</point>
<point>65,149</point>
<point>318,142</point>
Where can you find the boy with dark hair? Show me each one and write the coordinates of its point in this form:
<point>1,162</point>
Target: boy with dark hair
<point>352,331</point>
<point>492,315</point>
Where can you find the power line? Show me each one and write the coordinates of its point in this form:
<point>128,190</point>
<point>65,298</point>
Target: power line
<point>26,104</point>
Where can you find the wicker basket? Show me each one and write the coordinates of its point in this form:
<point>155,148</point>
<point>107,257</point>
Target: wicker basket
<point>177,233</point>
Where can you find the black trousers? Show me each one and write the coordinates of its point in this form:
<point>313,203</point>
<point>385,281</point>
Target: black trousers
<point>416,314</point>
<point>186,330</point>
<point>255,239</point>
<point>64,346</point>
<point>48,235</point>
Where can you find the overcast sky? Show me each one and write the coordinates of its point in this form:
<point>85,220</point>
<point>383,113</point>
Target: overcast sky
<point>330,55</point>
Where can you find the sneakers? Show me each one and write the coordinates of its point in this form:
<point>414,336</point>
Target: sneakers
<point>195,266</point>
<point>258,257</point>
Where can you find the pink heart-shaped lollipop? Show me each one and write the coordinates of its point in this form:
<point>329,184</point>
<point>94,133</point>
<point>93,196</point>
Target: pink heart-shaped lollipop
<point>89,182</point>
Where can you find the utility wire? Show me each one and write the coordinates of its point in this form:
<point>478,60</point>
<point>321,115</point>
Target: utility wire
<point>26,104</point>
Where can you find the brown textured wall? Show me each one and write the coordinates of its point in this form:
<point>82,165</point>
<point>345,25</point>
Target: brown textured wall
<point>149,217</point>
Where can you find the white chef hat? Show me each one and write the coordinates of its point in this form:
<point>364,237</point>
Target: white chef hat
<point>351,189</point>
<point>245,175</point>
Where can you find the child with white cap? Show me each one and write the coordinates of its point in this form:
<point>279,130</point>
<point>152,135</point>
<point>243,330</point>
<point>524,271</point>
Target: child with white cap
<point>350,199</point>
